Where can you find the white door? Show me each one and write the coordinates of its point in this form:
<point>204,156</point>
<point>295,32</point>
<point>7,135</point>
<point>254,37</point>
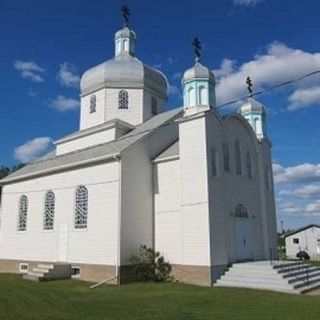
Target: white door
<point>62,243</point>
<point>243,239</point>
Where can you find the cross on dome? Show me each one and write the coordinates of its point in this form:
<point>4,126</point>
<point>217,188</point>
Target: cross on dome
<point>197,47</point>
<point>126,14</point>
<point>250,85</point>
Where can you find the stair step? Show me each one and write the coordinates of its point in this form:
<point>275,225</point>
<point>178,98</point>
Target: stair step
<point>303,277</point>
<point>299,272</point>
<point>40,270</point>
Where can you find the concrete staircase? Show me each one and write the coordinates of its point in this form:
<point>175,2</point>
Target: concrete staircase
<point>46,272</point>
<point>283,276</point>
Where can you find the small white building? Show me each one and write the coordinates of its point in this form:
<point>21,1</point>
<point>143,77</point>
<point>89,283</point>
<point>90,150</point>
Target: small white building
<point>304,239</point>
<point>196,186</point>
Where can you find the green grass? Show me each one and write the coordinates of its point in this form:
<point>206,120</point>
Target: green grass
<point>70,299</point>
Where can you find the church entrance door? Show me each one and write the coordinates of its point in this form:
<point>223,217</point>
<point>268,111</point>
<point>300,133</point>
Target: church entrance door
<point>243,239</point>
<point>62,243</point>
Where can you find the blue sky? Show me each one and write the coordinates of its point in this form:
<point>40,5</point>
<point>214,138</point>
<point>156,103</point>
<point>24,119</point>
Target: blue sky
<point>47,45</point>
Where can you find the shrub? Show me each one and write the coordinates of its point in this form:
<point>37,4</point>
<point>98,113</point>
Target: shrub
<point>149,265</point>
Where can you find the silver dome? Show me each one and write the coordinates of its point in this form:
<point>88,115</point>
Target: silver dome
<point>124,71</point>
<point>198,71</point>
<point>251,105</point>
<point>125,33</point>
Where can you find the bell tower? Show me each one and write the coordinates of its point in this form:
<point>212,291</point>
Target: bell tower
<point>198,85</point>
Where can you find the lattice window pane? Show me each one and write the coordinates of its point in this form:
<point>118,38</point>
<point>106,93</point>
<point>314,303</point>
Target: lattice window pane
<point>123,100</point>
<point>49,210</point>
<point>93,103</point>
<point>81,209</point>
<point>23,213</point>
<point>240,211</point>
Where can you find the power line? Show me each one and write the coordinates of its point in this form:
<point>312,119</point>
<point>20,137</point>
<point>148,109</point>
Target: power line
<point>272,88</point>
<point>130,135</point>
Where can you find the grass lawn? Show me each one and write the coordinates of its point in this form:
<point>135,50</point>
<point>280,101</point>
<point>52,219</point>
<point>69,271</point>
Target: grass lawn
<point>74,300</point>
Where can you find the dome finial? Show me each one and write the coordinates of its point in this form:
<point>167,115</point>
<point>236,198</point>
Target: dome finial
<point>250,85</point>
<point>197,47</point>
<point>125,14</point>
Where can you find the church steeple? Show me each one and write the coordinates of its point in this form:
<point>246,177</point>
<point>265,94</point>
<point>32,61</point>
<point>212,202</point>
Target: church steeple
<point>198,85</point>
<point>254,112</point>
<point>125,39</point>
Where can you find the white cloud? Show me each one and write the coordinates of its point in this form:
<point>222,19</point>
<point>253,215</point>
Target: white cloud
<point>304,97</point>
<point>313,207</point>
<point>305,172</point>
<point>63,103</point>
<point>29,70</point>
<point>172,90</point>
<point>32,149</point>
<point>246,3</point>
<point>278,64</point>
<point>67,76</point>
<point>308,191</point>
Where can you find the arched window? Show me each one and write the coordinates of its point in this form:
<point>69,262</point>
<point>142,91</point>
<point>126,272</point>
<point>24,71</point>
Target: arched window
<point>23,213</point>
<point>237,149</point>
<point>249,164</point>
<point>49,205</point>
<point>191,97</point>
<point>240,211</point>
<point>154,105</point>
<point>214,162</point>
<point>226,157</point>
<point>81,209</point>
<point>123,99</point>
<point>203,96</point>
<point>93,103</point>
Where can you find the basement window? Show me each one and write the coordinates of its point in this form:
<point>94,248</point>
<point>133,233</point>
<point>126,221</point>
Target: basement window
<point>23,267</point>
<point>75,272</point>
<point>295,240</point>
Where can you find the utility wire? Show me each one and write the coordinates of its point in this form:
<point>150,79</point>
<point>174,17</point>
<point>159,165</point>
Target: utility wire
<point>171,122</point>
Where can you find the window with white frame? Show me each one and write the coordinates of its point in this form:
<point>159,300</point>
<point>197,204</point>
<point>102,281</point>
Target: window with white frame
<point>295,240</point>
<point>238,157</point>
<point>249,164</point>
<point>214,164</point>
<point>49,206</point>
<point>93,103</point>
<point>154,105</point>
<point>226,157</point>
<point>81,208</point>
<point>23,213</point>
<point>123,99</point>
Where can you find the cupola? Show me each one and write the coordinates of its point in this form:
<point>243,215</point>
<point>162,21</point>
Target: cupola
<point>198,85</point>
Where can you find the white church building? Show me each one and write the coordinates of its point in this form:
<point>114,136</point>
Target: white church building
<point>196,186</point>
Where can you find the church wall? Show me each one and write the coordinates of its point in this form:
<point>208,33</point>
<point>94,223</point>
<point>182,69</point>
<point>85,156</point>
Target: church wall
<point>86,141</point>
<point>268,200</point>
<point>133,114</point>
<point>239,189</point>
<point>147,96</point>
<point>97,244</point>
<point>137,218</point>
<point>218,236</point>
<point>167,210</point>
<point>194,192</point>
<point>88,119</point>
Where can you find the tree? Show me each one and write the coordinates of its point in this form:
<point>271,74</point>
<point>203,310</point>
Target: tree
<point>149,265</point>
